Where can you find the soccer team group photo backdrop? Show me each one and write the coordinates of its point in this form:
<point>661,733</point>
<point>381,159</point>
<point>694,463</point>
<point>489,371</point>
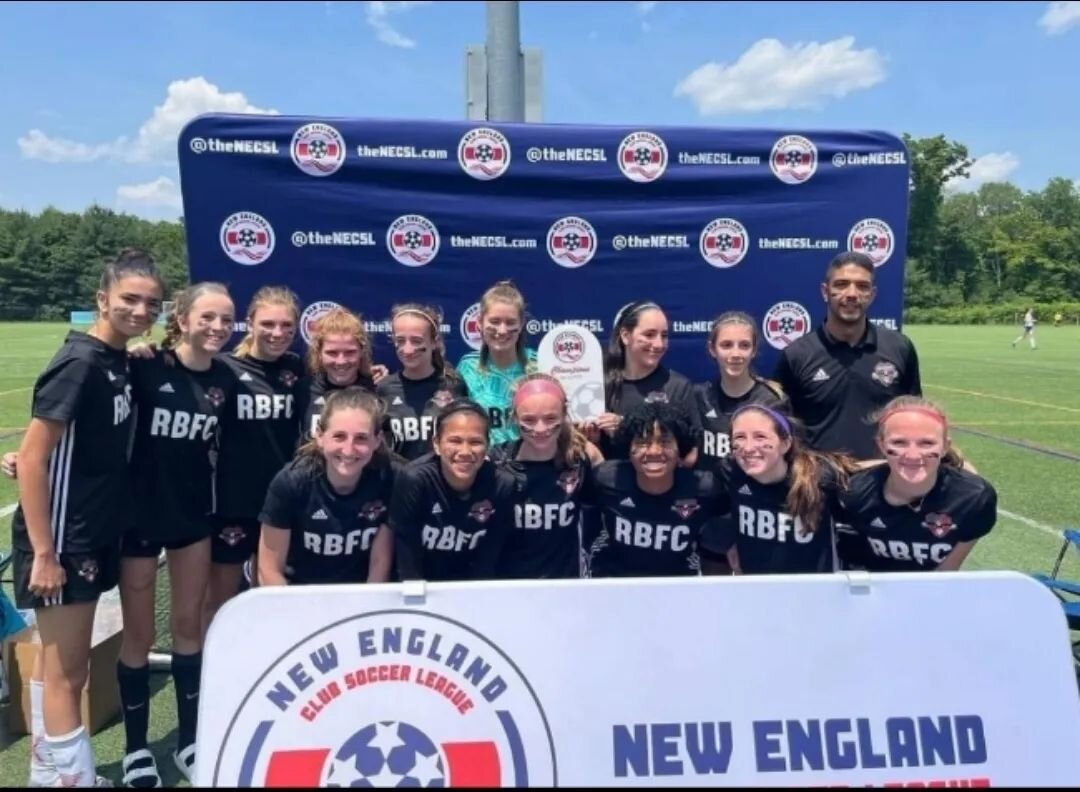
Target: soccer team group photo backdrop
<point>366,213</point>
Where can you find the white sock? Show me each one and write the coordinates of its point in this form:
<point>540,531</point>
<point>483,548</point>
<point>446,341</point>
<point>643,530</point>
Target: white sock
<point>73,757</point>
<point>42,770</point>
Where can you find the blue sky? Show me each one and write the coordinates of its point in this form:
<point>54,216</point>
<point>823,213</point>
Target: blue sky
<point>92,95</point>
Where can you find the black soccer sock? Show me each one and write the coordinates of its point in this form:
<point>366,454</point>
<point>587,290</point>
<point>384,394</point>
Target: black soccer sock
<point>135,701</point>
<point>186,671</point>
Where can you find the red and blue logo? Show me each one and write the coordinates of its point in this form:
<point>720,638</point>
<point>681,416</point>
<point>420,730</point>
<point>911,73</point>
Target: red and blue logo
<point>396,698</point>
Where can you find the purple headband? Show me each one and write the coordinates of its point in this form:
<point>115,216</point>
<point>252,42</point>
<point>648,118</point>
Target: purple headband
<point>778,417</point>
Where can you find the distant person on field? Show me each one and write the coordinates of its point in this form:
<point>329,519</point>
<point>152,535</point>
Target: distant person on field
<point>1029,329</point>
<point>1057,319</point>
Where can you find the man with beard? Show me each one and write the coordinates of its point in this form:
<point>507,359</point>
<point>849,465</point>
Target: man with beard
<point>839,376</point>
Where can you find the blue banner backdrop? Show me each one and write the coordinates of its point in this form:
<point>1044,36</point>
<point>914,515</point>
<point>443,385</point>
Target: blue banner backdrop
<point>366,213</point>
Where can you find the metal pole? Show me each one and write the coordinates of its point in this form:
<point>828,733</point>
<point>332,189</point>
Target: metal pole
<point>505,81</point>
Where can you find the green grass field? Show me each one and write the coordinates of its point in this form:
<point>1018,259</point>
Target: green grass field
<point>1016,414</point>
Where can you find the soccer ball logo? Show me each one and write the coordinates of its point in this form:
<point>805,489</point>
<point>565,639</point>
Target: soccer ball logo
<point>724,242</point>
<point>318,149</point>
<point>643,157</point>
<point>484,153</point>
<point>793,159</point>
<point>412,240</point>
<point>784,323</point>
<point>387,754</point>
<point>247,238</point>
<point>587,402</point>
<point>873,237</point>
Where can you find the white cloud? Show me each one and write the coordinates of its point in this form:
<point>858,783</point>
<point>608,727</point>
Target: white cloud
<point>1060,16</point>
<point>378,17</point>
<point>156,138</point>
<point>37,145</point>
<point>162,191</point>
<point>772,76</point>
<point>985,169</point>
<point>645,7</point>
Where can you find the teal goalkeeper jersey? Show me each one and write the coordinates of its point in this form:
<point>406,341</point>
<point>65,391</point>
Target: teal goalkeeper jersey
<point>492,389</point>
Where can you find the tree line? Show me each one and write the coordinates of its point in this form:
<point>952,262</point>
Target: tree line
<point>978,257</point>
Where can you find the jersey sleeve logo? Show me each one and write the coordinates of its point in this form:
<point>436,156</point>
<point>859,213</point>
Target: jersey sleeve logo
<point>685,507</point>
<point>939,524</point>
<point>885,373</point>
<point>482,511</point>
<point>569,481</point>
<point>373,510</point>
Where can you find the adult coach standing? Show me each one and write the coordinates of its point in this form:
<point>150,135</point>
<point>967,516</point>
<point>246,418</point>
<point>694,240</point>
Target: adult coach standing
<point>838,376</point>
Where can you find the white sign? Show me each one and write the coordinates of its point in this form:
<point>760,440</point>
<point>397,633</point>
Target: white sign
<point>957,679</point>
<point>572,354</point>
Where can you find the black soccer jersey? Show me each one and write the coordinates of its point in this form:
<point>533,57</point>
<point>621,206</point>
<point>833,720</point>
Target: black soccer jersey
<point>315,390</point>
<point>546,540</point>
<point>331,533</point>
<point>771,541</point>
<point>961,507</point>
<point>715,408</point>
<point>836,387</point>
<point>87,387</point>
<point>651,535</point>
<point>663,385</point>
<point>264,419</point>
<point>412,406</point>
<point>179,418</point>
<point>441,534</point>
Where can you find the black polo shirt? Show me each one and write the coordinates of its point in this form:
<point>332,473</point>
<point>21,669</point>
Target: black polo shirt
<point>835,387</point>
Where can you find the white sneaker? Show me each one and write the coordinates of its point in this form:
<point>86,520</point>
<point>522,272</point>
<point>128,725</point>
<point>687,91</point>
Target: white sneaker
<point>185,761</point>
<point>140,770</point>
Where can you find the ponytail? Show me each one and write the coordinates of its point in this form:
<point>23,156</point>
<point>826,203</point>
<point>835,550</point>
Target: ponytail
<point>505,291</point>
<point>615,358</point>
<point>808,470</point>
<point>183,301</point>
<point>267,295</point>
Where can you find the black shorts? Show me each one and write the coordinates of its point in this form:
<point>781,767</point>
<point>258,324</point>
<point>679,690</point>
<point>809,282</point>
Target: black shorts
<point>233,540</point>
<point>135,546</point>
<point>87,577</point>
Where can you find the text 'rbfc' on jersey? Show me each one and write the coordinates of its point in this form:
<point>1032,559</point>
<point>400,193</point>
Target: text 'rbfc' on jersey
<point>411,407</point>
<point>264,427</point>
<point>716,408</point>
<point>179,416</point>
<point>835,387</point>
<point>646,535</point>
<point>769,540</point>
<point>331,532</point>
<point>86,387</point>
<point>546,540</point>
<point>662,385</point>
<point>961,507</point>
<point>442,534</point>
<point>313,393</point>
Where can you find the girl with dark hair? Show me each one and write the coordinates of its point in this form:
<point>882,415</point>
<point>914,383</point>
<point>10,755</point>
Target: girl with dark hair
<point>635,375</point>
<point>653,511</point>
<point>733,343</point>
<point>75,494</point>
<point>325,515</point>
<point>783,498</point>
<point>452,510</point>
<point>413,396</point>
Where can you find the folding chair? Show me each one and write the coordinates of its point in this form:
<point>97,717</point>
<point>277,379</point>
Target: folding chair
<point>1067,591</point>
